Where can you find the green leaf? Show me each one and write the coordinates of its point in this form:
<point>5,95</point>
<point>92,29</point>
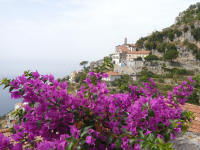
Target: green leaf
<point>151,113</point>
<point>109,140</point>
<point>39,123</point>
<point>70,146</point>
<point>141,134</point>
<point>126,131</point>
<point>131,141</point>
<point>85,131</point>
<point>10,89</point>
<point>118,143</point>
<point>72,142</point>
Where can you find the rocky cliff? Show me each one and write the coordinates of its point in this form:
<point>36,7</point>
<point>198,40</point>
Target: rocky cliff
<point>179,43</point>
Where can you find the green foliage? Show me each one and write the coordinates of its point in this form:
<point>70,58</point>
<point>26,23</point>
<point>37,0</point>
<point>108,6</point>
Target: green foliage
<point>170,33</point>
<point>140,42</point>
<point>155,41</point>
<point>80,77</point>
<point>122,83</point>
<point>168,75</point>
<point>195,96</point>
<point>196,34</point>
<point>191,46</point>
<point>178,71</point>
<point>181,71</point>
<point>191,14</point>
<point>165,88</point>
<point>161,47</point>
<point>151,57</point>
<point>19,113</point>
<point>192,25</point>
<point>177,32</point>
<point>145,75</point>
<point>5,82</point>
<point>160,80</point>
<point>171,54</point>
<point>154,143</point>
<point>64,79</point>
<point>187,116</point>
<point>171,46</point>
<point>198,55</point>
<point>171,36</point>
<point>105,67</point>
<point>83,63</point>
<point>150,45</point>
<point>139,58</point>
<point>195,50</point>
<point>156,36</point>
<point>197,80</point>
<point>185,29</point>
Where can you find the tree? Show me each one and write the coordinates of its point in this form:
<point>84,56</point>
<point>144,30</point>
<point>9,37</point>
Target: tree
<point>170,54</point>
<point>196,34</point>
<point>80,77</point>
<point>140,42</point>
<point>150,45</point>
<point>198,56</point>
<point>185,29</point>
<point>139,58</point>
<point>105,67</point>
<point>83,63</point>
<point>122,84</point>
<point>151,57</point>
<point>161,47</point>
<point>194,98</point>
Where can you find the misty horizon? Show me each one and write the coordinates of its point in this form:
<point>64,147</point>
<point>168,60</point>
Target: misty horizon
<point>53,37</point>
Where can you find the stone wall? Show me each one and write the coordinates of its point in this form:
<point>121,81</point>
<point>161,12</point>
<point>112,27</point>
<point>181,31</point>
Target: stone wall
<point>188,141</point>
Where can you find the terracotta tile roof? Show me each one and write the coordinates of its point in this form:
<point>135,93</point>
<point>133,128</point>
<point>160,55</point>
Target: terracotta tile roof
<point>139,52</point>
<point>195,126</point>
<point>111,73</point>
<point>126,50</point>
<point>123,48</point>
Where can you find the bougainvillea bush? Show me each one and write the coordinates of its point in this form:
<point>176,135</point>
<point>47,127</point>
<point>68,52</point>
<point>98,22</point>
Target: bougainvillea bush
<point>92,118</point>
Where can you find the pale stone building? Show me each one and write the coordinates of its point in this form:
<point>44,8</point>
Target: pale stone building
<point>112,76</point>
<point>127,53</point>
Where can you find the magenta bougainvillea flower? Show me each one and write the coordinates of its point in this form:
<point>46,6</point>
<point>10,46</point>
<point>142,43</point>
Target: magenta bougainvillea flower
<point>93,118</point>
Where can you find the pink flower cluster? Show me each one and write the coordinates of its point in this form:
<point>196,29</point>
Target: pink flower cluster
<point>93,118</point>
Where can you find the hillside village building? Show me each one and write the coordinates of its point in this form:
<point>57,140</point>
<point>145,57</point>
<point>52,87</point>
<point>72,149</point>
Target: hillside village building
<point>125,60</point>
<point>126,53</point>
<point>12,119</point>
<point>112,76</point>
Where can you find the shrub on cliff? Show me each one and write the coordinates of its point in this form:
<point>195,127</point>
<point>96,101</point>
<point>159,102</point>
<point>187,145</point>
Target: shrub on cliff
<point>151,57</point>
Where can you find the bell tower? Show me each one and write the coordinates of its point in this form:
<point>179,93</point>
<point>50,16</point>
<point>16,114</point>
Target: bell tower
<point>125,41</point>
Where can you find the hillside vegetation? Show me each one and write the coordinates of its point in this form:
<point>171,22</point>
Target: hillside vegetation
<point>184,33</point>
<point>178,44</point>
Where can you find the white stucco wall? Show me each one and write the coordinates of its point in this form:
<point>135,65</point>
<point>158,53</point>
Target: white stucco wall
<point>111,78</point>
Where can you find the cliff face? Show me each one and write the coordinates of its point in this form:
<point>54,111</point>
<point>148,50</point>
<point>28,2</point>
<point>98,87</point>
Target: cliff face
<point>178,43</point>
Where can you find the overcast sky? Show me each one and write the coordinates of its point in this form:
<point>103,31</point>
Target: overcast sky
<point>53,36</point>
<point>59,31</point>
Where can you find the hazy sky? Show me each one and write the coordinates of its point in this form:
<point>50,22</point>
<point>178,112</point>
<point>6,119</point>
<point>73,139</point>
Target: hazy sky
<point>53,36</point>
<point>56,31</point>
